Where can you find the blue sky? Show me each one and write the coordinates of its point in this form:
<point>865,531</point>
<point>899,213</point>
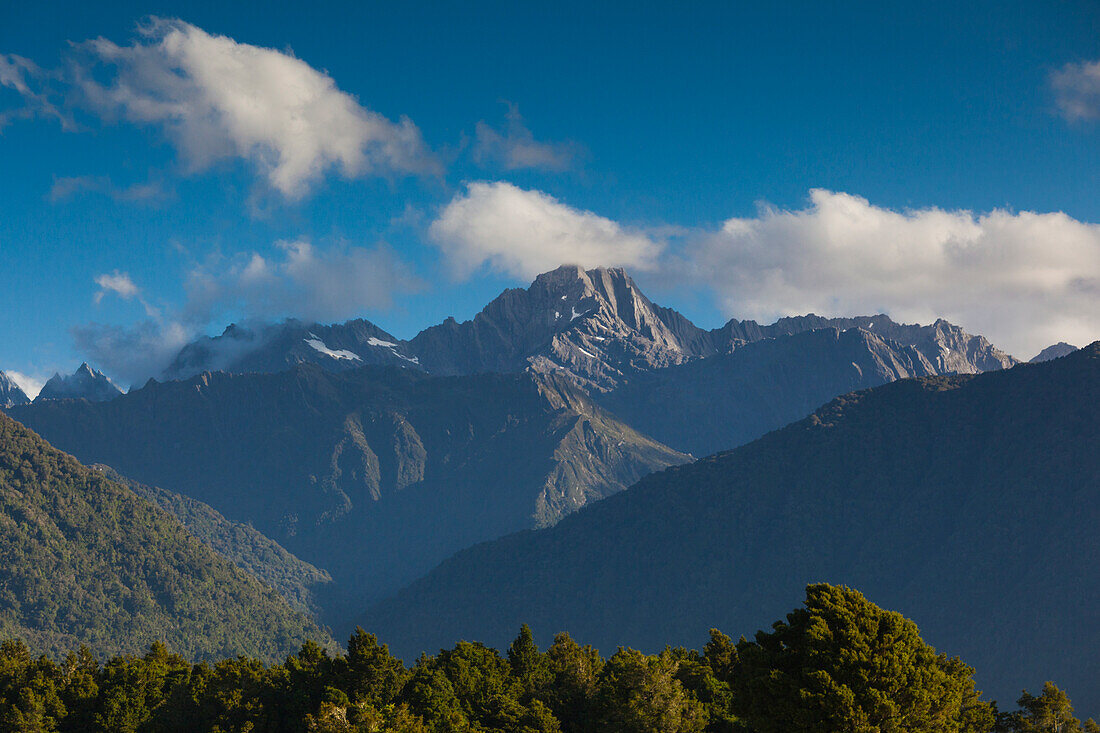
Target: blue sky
<point>954,152</point>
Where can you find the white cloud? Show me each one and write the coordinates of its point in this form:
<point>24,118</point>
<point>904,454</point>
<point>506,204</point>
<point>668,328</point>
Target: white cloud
<point>218,99</point>
<point>523,233</point>
<point>516,148</point>
<point>30,384</point>
<point>1077,90</point>
<point>300,281</point>
<point>1025,280</point>
<point>118,283</point>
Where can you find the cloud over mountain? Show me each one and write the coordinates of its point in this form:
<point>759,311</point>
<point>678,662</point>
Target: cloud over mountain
<point>300,280</point>
<point>523,233</point>
<point>1024,279</point>
<point>217,98</point>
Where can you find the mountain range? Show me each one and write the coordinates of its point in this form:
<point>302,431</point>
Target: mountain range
<point>594,327</point>
<point>968,502</point>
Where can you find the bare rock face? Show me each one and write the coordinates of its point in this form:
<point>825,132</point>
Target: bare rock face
<point>593,326</point>
<point>943,347</point>
<point>10,393</point>
<point>85,383</point>
<point>1055,351</point>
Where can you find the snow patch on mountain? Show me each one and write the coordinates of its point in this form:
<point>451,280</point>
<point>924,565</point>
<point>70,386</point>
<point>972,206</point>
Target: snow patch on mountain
<point>320,346</point>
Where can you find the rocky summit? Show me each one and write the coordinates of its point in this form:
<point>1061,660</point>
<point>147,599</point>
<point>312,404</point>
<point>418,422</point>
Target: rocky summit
<point>10,392</point>
<point>85,383</point>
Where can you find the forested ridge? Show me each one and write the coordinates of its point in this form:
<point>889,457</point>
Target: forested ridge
<point>84,560</point>
<point>838,664</point>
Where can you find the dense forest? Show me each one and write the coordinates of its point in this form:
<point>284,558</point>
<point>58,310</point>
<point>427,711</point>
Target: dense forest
<point>837,664</point>
<point>84,560</point>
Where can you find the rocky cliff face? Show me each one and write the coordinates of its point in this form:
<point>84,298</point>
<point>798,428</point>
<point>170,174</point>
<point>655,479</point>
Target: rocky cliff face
<point>10,393</point>
<point>592,326</point>
<point>942,348</point>
<point>85,383</point>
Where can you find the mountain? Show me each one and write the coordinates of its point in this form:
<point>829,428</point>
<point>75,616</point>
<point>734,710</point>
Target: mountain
<point>10,392</point>
<point>265,347</point>
<point>595,327</point>
<point>85,383</point>
<point>1056,351</point>
<point>727,400</point>
<point>83,560</point>
<point>256,554</point>
<point>969,503</point>
<point>374,474</point>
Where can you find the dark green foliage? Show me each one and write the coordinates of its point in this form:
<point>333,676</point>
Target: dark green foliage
<point>843,664</point>
<point>256,554</point>
<point>85,561</point>
<point>840,664</point>
<point>1050,712</point>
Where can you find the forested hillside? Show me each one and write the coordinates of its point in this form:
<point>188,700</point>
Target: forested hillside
<point>969,503</point>
<point>83,560</point>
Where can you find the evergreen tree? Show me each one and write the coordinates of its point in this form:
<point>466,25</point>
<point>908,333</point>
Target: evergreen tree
<point>842,663</point>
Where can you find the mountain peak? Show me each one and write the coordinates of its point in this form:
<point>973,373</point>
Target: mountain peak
<point>1054,351</point>
<point>84,383</point>
<point>10,393</point>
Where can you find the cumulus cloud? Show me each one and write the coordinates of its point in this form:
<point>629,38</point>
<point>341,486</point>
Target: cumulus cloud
<point>516,147</point>
<point>219,99</point>
<point>300,280</point>
<point>523,233</point>
<point>1077,90</point>
<point>1025,279</point>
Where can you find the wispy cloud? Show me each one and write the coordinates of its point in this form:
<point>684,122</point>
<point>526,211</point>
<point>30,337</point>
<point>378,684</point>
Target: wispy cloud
<point>1077,90</point>
<point>31,84</point>
<point>516,148</point>
<point>68,186</point>
<point>299,280</point>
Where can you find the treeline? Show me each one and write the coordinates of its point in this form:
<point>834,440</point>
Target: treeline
<point>839,664</point>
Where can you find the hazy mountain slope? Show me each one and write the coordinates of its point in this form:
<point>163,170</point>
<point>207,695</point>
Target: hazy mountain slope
<point>375,474</point>
<point>83,560</point>
<point>251,551</point>
<point>10,392</point>
<point>277,347</point>
<point>85,383</point>
<point>727,400</point>
<point>968,503</point>
<point>1054,351</point>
